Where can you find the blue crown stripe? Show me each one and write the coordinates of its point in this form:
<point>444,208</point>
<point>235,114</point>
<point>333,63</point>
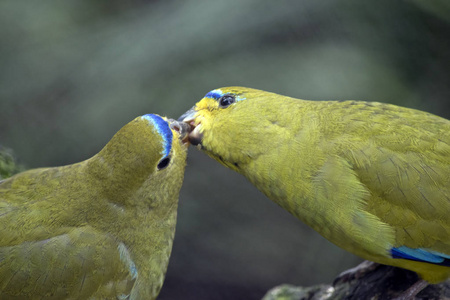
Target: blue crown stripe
<point>163,129</point>
<point>214,94</point>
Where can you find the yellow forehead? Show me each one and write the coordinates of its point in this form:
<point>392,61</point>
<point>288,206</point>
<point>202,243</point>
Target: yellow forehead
<point>210,100</point>
<point>207,103</point>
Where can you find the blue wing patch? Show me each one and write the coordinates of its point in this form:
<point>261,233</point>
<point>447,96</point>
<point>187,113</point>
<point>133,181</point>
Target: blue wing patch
<point>423,255</point>
<point>163,129</point>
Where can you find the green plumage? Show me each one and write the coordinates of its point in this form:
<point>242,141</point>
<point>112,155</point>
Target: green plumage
<point>370,177</point>
<point>99,229</point>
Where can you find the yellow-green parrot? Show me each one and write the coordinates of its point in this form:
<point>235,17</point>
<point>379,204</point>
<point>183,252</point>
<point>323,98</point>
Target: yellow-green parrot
<point>99,229</point>
<point>372,178</point>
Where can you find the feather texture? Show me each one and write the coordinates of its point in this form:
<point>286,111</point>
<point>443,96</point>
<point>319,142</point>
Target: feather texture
<point>99,229</point>
<point>372,178</point>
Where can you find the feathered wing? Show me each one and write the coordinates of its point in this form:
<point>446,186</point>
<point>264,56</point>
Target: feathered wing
<point>42,260</point>
<point>410,195</point>
<point>406,169</point>
<point>81,263</point>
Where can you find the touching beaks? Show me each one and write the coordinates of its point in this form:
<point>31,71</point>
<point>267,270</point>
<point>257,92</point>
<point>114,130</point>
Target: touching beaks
<point>188,118</point>
<point>182,128</point>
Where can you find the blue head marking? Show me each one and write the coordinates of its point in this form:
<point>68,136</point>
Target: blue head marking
<point>163,129</point>
<point>216,94</point>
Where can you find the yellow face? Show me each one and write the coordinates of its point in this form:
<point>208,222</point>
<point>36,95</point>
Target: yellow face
<point>227,124</point>
<point>217,105</point>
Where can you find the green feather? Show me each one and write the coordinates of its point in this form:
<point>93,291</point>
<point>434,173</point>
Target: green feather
<point>370,177</point>
<point>99,229</point>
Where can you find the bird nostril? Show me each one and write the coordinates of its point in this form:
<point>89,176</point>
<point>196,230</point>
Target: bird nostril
<point>176,127</point>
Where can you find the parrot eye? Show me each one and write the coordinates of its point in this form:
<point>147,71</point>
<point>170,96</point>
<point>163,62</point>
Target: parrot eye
<point>163,163</point>
<point>226,100</point>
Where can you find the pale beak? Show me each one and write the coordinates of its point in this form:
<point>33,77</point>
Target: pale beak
<point>182,128</point>
<point>195,137</point>
<point>188,116</point>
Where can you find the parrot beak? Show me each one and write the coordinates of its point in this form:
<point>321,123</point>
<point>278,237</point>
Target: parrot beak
<point>182,128</point>
<point>188,118</point>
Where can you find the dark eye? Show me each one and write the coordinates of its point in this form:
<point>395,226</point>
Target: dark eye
<point>163,163</point>
<point>226,100</point>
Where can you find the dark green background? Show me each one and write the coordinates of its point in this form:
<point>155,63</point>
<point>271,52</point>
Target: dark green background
<point>72,72</point>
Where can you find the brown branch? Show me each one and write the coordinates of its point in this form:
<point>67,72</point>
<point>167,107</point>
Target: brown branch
<point>384,282</point>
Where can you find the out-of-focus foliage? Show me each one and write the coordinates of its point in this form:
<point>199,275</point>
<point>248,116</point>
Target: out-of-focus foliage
<point>440,8</point>
<point>8,163</point>
<point>72,72</point>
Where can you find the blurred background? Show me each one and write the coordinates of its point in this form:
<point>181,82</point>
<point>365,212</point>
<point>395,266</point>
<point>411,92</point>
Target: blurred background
<point>72,72</point>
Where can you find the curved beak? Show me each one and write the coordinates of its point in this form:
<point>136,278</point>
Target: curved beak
<point>188,118</point>
<point>182,128</point>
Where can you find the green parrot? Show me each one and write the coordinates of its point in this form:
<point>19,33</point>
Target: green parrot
<point>372,178</point>
<point>99,229</point>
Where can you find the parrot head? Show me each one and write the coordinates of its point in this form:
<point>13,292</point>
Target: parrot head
<point>150,149</point>
<point>227,124</point>
<point>150,140</point>
<point>171,135</point>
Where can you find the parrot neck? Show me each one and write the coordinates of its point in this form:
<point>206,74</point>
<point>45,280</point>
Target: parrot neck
<point>155,228</point>
<point>119,174</point>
